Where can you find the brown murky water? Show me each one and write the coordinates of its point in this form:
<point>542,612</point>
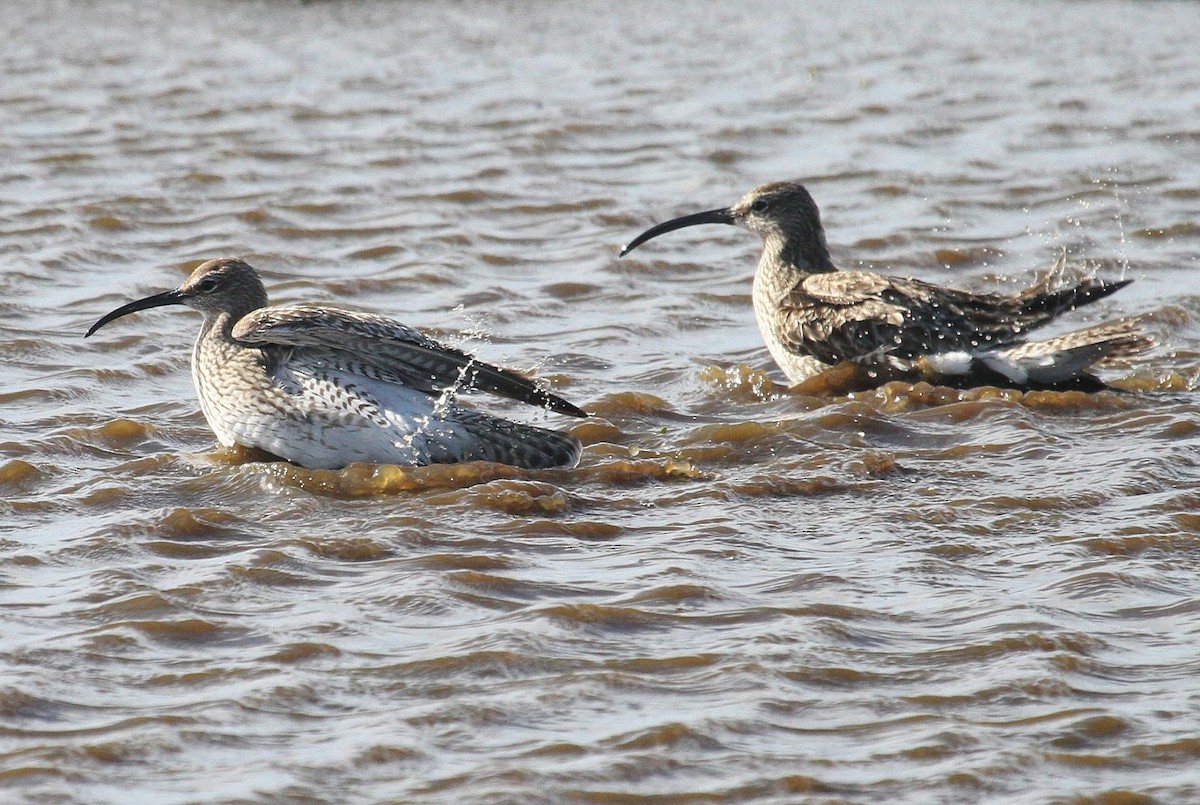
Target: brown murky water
<point>742,594</point>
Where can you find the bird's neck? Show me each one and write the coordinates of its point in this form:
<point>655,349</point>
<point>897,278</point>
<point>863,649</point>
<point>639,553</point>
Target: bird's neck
<point>218,326</point>
<point>805,255</point>
<point>216,344</point>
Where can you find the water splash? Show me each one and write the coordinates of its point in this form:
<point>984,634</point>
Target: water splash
<point>1122,252</point>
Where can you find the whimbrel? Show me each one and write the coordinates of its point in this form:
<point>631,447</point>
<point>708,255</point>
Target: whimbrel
<point>813,316</point>
<point>323,387</point>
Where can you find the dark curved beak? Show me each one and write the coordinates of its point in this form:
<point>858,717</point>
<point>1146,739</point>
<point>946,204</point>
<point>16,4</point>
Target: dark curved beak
<point>158,300</point>
<point>721,216</point>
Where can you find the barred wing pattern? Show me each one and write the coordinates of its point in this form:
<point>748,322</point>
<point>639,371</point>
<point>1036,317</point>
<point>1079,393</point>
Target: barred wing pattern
<point>862,316</point>
<point>383,348</point>
<point>868,318</point>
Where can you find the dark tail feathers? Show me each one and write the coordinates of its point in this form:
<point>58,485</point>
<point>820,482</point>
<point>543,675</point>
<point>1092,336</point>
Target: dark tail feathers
<point>1040,305</point>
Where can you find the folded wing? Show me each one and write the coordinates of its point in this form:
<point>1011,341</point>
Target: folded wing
<point>859,316</point>
<point>388,349</point>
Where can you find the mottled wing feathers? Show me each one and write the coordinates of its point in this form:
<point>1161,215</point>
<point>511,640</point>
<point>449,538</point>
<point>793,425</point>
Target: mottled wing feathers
<point>1106,342</point>
<point>844,288</point>
<point>865,317</point>
<point>389,348</point>
<point>862,316</point>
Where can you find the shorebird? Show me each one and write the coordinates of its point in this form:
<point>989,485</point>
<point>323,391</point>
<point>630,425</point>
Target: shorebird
<point>323,387</point>
<point>813,316</point>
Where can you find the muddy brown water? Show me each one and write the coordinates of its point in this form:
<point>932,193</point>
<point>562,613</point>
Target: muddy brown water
<point>743,594</point>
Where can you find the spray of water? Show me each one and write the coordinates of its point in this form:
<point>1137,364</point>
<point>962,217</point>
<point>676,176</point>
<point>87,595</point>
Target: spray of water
<point>428,426</point>
<point>1114,187</point>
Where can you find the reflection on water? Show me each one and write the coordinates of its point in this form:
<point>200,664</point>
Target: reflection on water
<point>744,593</point>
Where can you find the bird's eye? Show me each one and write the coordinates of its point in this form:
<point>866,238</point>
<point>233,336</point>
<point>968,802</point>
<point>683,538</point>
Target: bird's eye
<point>758,205</point>
<point>209,285</point>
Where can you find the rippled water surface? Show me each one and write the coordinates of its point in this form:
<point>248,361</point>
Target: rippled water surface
<point>743,594</point>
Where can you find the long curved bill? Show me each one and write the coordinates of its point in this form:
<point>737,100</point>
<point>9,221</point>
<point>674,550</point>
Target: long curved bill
<point>721,216</point>
<point>158,300</point>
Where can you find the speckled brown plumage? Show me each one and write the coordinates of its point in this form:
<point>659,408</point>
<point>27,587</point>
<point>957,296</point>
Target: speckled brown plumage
<point>324,387</point>
<point>813,316</point>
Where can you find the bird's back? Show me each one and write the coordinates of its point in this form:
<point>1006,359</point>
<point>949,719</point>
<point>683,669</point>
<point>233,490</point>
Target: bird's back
<point>813,321</point>
<point>324,387</point>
